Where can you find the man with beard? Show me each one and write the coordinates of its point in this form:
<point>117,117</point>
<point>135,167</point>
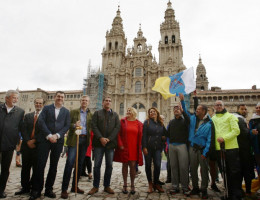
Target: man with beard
<point>245,154</point>
<point>11,120</point>
<point>200,132</point>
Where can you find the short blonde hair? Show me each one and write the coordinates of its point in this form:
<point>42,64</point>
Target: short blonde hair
<point>133,111</point>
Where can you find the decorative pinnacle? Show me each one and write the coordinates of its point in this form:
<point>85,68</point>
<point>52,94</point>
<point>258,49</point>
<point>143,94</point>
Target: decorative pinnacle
<point>140,27</point>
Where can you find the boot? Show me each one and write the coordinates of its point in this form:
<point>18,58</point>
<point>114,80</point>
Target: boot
<point>159,188</point>
<point>150,187</point>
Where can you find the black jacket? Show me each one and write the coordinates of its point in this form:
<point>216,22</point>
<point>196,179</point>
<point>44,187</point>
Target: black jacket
<point>105,128</point>
<point>178,129</point>
<point>10,125</point>
<point>27,129</point>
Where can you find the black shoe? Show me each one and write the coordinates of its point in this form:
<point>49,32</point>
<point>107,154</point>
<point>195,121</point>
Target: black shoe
<point>160,183</point>
<point>215,188</point>
<point>22,191</point>
<point>50,194</point>
<point>195,191</point>
<point>2,195</point>
<point>204,194</point>
<point>34,195</point>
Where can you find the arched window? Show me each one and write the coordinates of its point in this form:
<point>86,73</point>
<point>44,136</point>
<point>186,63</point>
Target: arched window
<point>116,45</point>
<point>166,40</point>
<point>122,89</point>
<point>138,87</point>
<point>135,106</point>
<point>202,88</point>
<point>141,106</point>
<point>109,46</point>
<point>154,104</point>
<point>131,63</point>
<point>145,63</point>
<point>139,48</point>
<point>121,110</point>
<point>173,38</point>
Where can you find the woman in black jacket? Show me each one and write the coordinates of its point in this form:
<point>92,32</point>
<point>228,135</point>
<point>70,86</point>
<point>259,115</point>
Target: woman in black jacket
<point>152,143</point>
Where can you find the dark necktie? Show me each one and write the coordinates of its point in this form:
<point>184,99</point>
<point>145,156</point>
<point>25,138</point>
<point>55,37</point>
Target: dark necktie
<point>34,122</point>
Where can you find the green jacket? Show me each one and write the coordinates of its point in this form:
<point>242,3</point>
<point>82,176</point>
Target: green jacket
<point>75,116</point>
<point>226,126</point>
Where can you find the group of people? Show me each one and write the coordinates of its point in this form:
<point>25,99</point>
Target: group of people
<point>190,140</point>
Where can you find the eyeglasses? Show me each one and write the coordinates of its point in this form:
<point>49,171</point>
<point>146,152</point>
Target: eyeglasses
<point>220,105</point>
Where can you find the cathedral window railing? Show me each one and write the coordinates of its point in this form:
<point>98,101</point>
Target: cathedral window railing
<point>122,89</point>
<point>138,72</point>
<point>121,110</point>
<point>138,88</point>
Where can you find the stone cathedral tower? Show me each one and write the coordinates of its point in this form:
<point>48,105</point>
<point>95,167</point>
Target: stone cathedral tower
<point>202,79</point>
<point>130,74</point>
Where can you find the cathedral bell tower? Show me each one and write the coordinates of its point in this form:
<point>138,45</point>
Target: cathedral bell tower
<point>170,47</point>
<point>114,51</point>
<point>202,82</point>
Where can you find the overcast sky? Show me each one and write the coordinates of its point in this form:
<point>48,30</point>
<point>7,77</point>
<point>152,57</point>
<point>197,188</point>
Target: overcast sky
<point>48,43</point>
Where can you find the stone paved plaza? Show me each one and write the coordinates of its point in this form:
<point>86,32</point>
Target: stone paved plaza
<point>13,185</point>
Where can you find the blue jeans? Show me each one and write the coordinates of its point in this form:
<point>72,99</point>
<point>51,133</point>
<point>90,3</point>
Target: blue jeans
<point>72,151</point>
<point>156,157</point>
<point>98,156</point>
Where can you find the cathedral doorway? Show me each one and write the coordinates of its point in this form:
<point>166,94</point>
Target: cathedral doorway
<point>141,112</point>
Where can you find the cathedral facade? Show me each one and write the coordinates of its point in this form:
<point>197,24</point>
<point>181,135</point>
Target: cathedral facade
<point>130,73</point>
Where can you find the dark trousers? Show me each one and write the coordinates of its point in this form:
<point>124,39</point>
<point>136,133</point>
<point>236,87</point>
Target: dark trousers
<point>29,161</point>
<point>6,160</point>
<point>72,151</point>
<point>156,157</point>
<point>55,150</point>
<point>168,167</point>
<point>98,156</point>
<point>233,172</point>
<point>247,168</point>
<point>87,165</point>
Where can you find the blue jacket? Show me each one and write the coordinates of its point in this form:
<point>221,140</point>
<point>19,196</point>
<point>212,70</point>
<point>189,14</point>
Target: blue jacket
<point>201,137</point>
<point>49,125</point>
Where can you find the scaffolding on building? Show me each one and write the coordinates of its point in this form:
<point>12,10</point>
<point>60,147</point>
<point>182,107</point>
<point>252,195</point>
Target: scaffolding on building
<point>100,90</point>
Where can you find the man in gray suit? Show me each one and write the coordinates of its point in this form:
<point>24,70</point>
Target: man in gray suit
<point>11,120</point>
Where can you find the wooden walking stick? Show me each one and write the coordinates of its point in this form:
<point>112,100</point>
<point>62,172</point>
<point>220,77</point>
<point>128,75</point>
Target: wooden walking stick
<point>78,132</point>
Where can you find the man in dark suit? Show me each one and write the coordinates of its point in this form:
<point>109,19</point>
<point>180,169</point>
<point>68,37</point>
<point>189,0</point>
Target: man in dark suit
<point>11,120</point>
<point>28,148</point>
<point>53,123</point>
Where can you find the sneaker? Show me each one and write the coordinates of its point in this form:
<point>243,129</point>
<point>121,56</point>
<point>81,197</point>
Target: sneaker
<point>215,188</point>
<point>174,191</point>
<point>204,194</point>
<point>50,194</point>
<point>109,190</point>
<point>195,191</point>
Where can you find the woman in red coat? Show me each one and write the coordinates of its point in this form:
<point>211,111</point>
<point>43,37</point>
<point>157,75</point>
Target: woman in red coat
<point>129,151</point>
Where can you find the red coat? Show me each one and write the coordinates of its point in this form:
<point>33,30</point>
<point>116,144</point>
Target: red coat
<point>121,155</point>
<point>89,149</point>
